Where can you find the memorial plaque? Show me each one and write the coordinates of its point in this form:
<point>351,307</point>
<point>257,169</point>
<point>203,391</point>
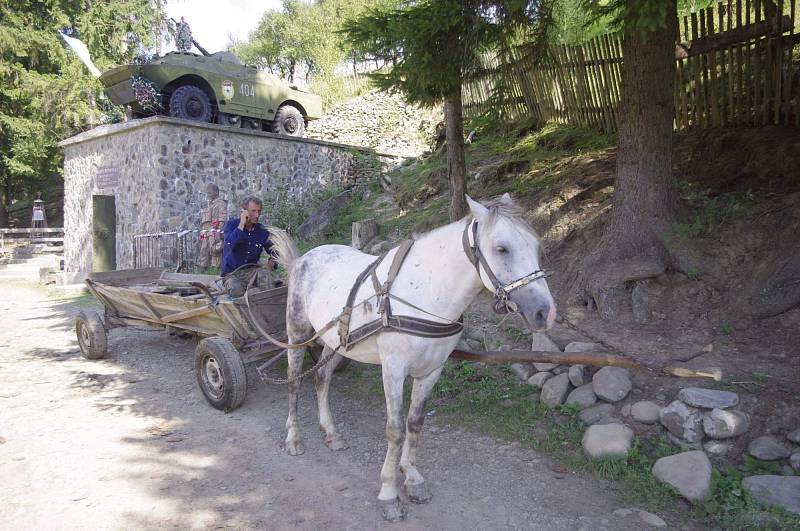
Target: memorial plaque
<point>107,177</point>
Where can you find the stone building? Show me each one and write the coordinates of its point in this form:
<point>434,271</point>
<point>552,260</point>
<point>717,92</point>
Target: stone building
<point>150,175</point>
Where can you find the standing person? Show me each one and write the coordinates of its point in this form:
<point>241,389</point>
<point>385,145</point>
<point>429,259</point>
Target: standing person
<point>183,36</point>
<point>245,238</point>
<point>211,220</point>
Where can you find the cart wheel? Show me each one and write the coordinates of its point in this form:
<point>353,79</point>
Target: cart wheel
<point>315,353</point>
<point>220,373</point>
<point>91,334</point>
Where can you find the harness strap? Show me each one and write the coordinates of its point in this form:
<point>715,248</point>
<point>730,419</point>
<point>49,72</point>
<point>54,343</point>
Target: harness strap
<point>407,325</point>
<point>347,311</point>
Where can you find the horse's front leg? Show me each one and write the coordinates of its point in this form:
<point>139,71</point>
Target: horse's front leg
<point>294,441</point>
<point>322,383</point>
<point>415,485</point>
<point>394,374</point>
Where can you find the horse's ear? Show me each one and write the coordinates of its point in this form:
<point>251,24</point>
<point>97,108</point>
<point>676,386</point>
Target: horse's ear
<point>506,199</point>
<point>477,209</point>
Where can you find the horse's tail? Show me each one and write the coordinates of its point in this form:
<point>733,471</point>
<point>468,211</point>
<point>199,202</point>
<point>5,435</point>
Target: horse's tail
<point>284,247</point>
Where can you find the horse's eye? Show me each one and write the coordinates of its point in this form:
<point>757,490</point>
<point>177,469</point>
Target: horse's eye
<point>502,250</point>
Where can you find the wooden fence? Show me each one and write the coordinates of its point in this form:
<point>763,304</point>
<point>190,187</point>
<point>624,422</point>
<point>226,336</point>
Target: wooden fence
<point>734,66</point>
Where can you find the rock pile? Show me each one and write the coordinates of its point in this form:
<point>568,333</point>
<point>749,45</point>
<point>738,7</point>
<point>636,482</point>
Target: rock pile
<point>378,120</point>
<point>698,415</point>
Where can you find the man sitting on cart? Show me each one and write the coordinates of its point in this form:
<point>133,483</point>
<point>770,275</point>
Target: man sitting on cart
<point>245,238</point>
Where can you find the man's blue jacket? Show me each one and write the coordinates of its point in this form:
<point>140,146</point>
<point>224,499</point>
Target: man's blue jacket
<point>243,246</point>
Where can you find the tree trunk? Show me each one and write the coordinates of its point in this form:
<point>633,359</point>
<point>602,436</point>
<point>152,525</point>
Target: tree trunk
<point>645,199</point>
<point>456,165</point>
<point>4,201</point>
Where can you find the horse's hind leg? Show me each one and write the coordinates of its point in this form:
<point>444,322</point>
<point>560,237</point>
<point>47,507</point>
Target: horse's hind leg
<point>294,441</point>
<point>333,438</point>
<point>394,374</point>
<point>415,485</point>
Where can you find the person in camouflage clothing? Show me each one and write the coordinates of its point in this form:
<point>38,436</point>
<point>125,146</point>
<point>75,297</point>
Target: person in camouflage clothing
<point>183,36</point>
<point>211,220</point>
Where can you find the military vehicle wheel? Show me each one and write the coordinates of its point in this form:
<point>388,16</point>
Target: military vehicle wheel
<point>289,121</point>
<point>190,103</point>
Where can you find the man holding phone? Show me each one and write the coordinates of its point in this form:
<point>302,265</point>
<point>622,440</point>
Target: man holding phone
<point>245,238</point>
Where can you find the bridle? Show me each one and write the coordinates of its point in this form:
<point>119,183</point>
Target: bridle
<point>501,291</point>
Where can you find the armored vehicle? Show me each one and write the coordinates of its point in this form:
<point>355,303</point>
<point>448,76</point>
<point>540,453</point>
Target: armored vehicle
<point>215,87</point>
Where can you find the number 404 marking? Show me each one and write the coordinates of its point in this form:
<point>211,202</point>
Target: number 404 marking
<point>248,91</point>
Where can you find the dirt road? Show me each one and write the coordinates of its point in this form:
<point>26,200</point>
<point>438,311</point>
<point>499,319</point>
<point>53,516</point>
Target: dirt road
<point>130,443</point>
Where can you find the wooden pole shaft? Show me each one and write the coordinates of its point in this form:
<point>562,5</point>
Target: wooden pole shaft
<point>597,359</point>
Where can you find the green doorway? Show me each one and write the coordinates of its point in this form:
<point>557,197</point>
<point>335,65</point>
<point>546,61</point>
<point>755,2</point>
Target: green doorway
<point>104,233</point>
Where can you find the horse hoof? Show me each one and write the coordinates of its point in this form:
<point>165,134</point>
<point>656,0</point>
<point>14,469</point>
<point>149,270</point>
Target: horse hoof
<point>418,493</point>
<point>392,510</point>
<point>336,442</point>
<point>294,447</point>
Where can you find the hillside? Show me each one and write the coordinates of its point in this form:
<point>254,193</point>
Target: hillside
<point>735,298</point>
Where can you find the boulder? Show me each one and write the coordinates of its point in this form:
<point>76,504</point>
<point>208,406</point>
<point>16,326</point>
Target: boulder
<point>522,370</point>
<point>683,421</point>
<point>716,448</point>
<point>794,436</point>
<point>555,390</point>
<point>768,448</point>
<point>582,346</point>
<point>653,520</point>
<point>607,440</point>
<point>320,223</point>
<point>363,232</point>
<point>775,491</point>
<point>578,375</point>
<point>689,472</point>
<point>539,378</point>
<point>708,398</point>
<point>595,414</point>
<point>542,342</point>
<point>795,460</point>
<point>645,412</point>
<point>724,424</point>
<point>583,396</point>
<point>612,384</point>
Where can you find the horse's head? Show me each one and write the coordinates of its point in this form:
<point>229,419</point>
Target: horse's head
<point>507,254</point>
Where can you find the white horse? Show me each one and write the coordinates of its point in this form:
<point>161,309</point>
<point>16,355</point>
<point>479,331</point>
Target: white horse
<point>438,276</point>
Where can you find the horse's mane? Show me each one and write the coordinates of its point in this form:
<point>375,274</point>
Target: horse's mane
<point>500,208</point>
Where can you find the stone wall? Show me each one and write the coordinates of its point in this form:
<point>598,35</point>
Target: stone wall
<point>158,168</point>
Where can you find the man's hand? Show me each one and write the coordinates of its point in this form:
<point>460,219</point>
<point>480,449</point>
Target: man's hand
<point>243,216</point>
<point>272,265</point>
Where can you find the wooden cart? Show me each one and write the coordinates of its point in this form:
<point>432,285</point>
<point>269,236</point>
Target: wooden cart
<point>189,304</point>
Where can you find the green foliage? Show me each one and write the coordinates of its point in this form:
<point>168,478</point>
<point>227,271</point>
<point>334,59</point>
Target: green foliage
<point>287,210</point>
<point>732,507</point>
<point>46,93</point>
<point>301,41</point>
<point>434,46</point>
<point>710,212</point>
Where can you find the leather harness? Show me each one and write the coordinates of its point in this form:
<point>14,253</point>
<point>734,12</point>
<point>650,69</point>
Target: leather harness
<point>417,326</point>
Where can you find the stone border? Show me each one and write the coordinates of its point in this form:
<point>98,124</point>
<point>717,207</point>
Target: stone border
<point>113,129</point>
